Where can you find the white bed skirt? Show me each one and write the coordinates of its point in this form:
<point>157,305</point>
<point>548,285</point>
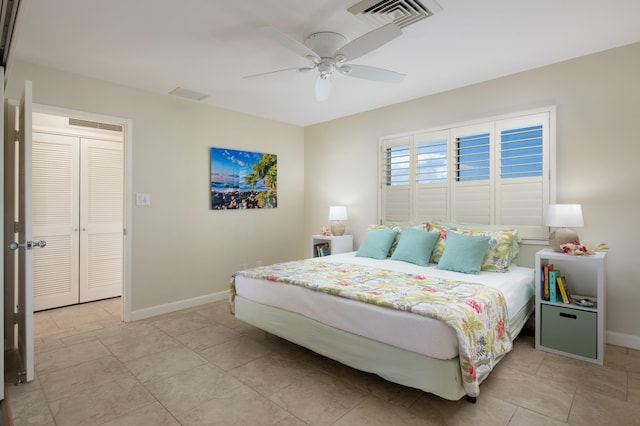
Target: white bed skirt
<point>440,377</point>
<point>405,348</point>
<point>412,332</point>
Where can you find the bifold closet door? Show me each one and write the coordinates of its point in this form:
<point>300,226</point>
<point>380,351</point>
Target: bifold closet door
<point>55,213</point>
<point>101,219</point>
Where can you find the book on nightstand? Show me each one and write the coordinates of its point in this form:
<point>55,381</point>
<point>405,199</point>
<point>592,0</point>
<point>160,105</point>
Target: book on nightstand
<point>322,249</point>
<point>564,290</point>
<point>554,294</point>
<point>545,281</point>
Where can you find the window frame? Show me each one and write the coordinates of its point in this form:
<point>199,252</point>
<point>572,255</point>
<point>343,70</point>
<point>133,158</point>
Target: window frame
<point>453,193</point>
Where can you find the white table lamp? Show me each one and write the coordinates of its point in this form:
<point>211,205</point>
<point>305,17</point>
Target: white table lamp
<point>561,216</point>
<point>337,214</point>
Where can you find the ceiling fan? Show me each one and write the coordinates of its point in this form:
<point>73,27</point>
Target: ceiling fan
<point>329,52</point>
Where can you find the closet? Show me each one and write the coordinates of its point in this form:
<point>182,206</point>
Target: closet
<point>78,205</point>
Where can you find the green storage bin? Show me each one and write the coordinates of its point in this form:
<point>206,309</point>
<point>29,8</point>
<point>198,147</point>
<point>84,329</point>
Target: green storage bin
<point>569,330</point>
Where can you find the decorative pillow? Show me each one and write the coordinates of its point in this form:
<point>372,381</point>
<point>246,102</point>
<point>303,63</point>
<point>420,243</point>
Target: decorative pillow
<point>463,253</point>
<point>376,243</point>
<point>398,227</point>
<point>415,246</point>
<point>438,249</point>
<point>502,249</point>
<point>515,247</point>
<point>393,227</point>
<point>497,258</point>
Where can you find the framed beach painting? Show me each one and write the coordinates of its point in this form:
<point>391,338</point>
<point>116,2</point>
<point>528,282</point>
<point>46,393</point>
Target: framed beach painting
<point>243,179</point>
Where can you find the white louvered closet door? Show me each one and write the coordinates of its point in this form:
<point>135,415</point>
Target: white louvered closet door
<point>55,215</point>
<point>101,219</point>
<point>78,210</point>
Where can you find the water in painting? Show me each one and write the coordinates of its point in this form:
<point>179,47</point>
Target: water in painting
<point>243,179</point>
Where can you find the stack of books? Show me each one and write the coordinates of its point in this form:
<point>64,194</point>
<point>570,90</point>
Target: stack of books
<point>554,285</point>
<point>322,249</point>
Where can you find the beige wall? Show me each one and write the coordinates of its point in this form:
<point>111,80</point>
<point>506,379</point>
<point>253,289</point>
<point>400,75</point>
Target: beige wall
<point>598,147</point>
<point>181,249</point>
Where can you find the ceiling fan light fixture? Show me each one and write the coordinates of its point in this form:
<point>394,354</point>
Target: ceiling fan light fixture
<point>325,68</point>
<point>329,51</point>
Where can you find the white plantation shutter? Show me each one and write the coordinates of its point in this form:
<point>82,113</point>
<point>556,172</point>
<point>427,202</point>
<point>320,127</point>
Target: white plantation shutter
<point>432,175</point>
<point>396,179</point>
<point>496,172</point>
<point>472,185</point>
<point>522,181</point>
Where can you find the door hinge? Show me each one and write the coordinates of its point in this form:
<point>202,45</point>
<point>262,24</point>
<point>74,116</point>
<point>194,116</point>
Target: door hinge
<point>15,318</point>
<point>17,136</point>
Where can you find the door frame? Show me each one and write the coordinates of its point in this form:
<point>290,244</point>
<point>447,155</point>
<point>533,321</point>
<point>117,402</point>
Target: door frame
<point>128,190</point>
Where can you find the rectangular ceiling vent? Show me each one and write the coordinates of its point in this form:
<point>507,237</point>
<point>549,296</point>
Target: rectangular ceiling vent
<point>401,12</point>
<point>95,125</point>
<point>188,94</point>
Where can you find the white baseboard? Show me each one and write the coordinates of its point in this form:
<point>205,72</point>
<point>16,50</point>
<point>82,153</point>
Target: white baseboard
<point>176,306</point>
<point>625,340</point>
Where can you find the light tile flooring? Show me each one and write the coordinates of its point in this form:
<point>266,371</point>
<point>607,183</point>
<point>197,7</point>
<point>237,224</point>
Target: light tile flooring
<point>201,366</point>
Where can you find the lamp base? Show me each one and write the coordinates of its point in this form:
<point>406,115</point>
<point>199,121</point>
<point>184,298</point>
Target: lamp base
<point>337,228</point>
<point>562,236</point>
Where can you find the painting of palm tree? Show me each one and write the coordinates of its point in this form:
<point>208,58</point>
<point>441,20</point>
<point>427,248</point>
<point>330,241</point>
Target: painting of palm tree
<point>243,179</point>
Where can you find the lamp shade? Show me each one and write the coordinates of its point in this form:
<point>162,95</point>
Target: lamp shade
<point>565,215</point>
<point>337,213</point>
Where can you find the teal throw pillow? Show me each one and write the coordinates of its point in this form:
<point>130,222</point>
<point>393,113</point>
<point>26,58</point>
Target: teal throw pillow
<point>415,246</point>
<point>376,243</point>
<point>464,253</point>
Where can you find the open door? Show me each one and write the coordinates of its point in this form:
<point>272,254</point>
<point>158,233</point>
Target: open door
<point>2,232</point>
<point>24,245</point>
<point>10,217</point>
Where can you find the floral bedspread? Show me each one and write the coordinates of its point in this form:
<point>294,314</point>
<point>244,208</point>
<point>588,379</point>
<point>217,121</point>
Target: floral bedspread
<point>477,313</point>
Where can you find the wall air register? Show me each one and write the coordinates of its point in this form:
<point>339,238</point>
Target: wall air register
<point>78,122</point>
<point>401,12</point>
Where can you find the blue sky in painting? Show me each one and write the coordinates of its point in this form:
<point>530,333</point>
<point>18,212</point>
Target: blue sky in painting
<point>230,167</point>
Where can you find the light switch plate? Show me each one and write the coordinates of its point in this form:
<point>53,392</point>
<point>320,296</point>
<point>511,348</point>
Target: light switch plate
<point>143,199</point>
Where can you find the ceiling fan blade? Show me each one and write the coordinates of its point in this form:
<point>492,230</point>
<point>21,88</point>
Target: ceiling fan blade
<point>288,42</point>
<point>372,73</point>
<point>369,42</point>
<point>265,74</point>
<point>323,88</point>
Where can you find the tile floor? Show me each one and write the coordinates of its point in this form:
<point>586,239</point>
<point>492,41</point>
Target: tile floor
<point>201,366</point>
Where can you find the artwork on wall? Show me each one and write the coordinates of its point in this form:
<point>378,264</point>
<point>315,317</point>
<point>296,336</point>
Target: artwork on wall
<point>243,179</point>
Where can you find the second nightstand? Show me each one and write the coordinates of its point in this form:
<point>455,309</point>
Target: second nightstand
<point>568,328</point>
<point>335,244</point>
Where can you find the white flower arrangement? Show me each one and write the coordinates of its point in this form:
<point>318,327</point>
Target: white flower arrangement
<point>578,249</point>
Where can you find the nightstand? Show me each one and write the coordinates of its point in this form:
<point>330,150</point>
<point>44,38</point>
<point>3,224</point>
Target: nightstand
<point>334,244</point>
<point>571,329</point>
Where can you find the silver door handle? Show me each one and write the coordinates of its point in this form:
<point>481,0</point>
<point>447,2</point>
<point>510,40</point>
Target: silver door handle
<point>27,245</point>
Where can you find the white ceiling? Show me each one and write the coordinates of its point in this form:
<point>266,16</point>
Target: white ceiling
<point>209,45</point>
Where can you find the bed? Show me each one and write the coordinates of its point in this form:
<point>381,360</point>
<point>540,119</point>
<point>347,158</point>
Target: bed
<point>367,311</point>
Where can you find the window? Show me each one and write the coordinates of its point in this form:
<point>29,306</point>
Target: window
<point>521,152</point>
<point>472,158</point>
<point>397,172</point>
<point>491,172</point>
<point>432,161</point>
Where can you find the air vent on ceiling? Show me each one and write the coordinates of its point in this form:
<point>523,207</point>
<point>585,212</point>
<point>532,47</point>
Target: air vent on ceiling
<point>188,94</point>
<point>95,125</point>
<point>401,12</point>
